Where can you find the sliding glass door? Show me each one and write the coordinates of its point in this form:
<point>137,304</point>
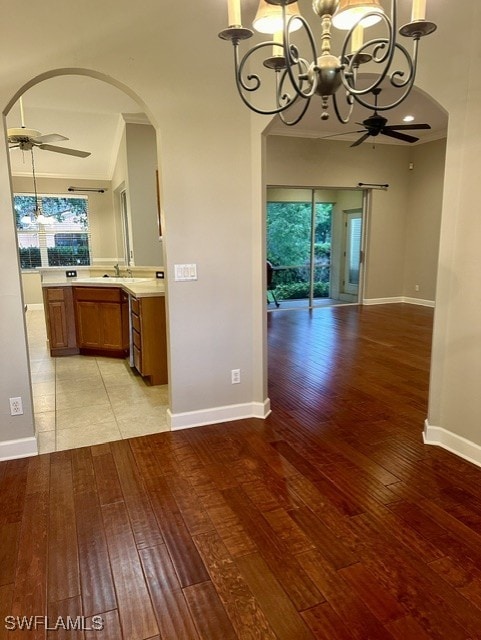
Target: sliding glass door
<point>308,245</point>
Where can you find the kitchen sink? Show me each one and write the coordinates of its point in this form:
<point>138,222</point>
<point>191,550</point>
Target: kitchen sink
<point>111,280</point>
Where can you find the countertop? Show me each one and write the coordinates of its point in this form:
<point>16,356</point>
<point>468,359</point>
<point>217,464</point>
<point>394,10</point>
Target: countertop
<point>138,287</point>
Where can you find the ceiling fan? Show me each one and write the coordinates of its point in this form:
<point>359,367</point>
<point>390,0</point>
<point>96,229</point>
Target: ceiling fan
<point>26,139</point>
<point>377,124</point>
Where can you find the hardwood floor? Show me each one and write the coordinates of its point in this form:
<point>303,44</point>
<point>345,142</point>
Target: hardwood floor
<point>328,520</point>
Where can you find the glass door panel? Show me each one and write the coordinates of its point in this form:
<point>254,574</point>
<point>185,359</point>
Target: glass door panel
<point>289,215</point>
<point>321,249</point>
<point>314,241</point>
<point>353,252</point>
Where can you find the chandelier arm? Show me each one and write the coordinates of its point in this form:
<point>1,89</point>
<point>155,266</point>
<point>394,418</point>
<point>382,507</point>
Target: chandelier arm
<point>350,102</point>
<point>298,118</point>
<point>292,57</point>
<point>242,86</point>
<point>378,45</point>
<point>406,84</point>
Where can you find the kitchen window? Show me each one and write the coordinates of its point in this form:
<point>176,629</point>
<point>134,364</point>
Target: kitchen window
<point>57,235</point>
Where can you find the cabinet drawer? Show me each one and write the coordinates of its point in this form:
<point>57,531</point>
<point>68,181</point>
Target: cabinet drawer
<point>136,339</point>
<point>135,305</point>
<point>55,293</point>
<point>136,322</point>
<point>138,359</point>
<point>98,294</point>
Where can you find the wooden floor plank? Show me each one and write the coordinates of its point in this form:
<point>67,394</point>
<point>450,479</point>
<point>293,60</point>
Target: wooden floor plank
<point>274,602</point>
<point>96,581</point>
<point>9,540</point>
<point>170,606</point>
<point>243,610</point>
<point>105,626</point>
<point>65,620</point>
<point>183,552</point>
<point>63,559</point>
<point>135,609</point>
<point>30,588</point>
<point>346,603</point>
<point>296,582</point>
<point>144,524</point>
<point>325,623</point>
<point>6,597</point>
<point>107,479</point>
<point>207,610</point>
<point>13,490</point>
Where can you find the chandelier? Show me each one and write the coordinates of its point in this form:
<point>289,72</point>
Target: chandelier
<point>298,79</point>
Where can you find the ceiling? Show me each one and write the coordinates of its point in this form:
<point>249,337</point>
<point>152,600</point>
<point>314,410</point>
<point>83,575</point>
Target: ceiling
<point>85,110</point>
<point>423,108</point>
<point>92,113</point>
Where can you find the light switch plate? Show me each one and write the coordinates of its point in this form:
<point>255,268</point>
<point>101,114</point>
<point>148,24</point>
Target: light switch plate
<point>185,272</point>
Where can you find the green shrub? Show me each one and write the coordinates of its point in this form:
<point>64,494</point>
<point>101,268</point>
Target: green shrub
<point>29,257</point>
<point>299,290</point>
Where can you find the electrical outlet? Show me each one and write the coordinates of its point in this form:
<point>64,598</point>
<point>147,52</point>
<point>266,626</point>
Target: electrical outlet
<point>416,287</point>
<point>16,408</point>
<point>71,273</point>
<point>159,275</point>
<point>235,376</point>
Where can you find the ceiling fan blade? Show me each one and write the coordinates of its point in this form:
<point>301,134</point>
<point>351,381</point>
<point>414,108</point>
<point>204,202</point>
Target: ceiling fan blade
<point>49,137</point>
<point>399,136</point>
<point>407,127</point>
<point>65,150</point>
<point>344,133</point>
<point>361,140</point>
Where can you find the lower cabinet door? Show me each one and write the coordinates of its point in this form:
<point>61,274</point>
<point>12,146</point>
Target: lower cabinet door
<point>88,325</point>
<point>111,325</point>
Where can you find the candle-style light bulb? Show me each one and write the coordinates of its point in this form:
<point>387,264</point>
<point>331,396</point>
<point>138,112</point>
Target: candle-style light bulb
<point>357,38</point>
<point>234,13</point>
<point>278,40</point>
<point>419,10</point>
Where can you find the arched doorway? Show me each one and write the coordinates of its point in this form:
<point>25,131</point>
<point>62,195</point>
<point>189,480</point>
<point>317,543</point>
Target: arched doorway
<point>97,114</point>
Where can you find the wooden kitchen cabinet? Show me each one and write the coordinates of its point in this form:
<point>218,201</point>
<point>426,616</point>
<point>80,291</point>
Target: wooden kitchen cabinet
<point>102,323</point>
<point>60,321</point>
<point>149,338</point>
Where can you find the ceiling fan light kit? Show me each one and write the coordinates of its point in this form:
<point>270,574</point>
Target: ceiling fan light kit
<point>320,73</point>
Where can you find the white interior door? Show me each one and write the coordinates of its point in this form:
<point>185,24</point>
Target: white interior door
<point>353,244</point>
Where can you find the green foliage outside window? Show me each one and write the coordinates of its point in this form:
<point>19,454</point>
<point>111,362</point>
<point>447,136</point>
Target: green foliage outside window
<point>289,245</point>
<point>65,239</point>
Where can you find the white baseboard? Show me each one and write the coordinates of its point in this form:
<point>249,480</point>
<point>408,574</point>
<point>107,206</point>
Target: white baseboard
<point>420,302</point>
<point>452,442</point>
<point>397,300</point>
<point>23,448</point>
<point>215,415</point>
<point>370,301</point>
<point>34,307</point>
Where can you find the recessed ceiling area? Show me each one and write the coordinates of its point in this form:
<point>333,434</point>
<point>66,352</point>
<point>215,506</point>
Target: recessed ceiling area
<point>85,110</point>
<point>418,104</point>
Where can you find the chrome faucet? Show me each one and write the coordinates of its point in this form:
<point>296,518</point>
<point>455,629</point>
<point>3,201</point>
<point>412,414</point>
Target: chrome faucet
<point>129,271</point>
<point>117,270</point>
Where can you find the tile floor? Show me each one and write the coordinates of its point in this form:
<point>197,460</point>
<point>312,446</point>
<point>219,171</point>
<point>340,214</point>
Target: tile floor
<point>83,400</point>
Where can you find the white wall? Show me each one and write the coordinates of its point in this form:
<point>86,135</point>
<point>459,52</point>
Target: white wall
<point>423,219</point>
<point>325,163</point>
<point>141,147</point>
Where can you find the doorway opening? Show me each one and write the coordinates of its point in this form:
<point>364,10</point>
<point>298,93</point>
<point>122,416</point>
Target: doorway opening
<point>86,400</point>
<point>315,246</point>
